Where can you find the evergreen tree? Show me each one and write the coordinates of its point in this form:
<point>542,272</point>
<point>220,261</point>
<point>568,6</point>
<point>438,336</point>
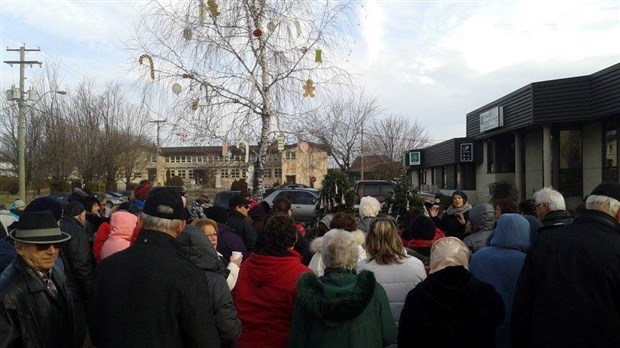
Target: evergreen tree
<point>336,195</point>
<point>402,199</point>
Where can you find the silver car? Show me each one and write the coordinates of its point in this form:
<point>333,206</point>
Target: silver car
<point>303,201</point>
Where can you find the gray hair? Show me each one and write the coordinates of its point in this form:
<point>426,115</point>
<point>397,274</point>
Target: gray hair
<point>160,224</point>
<point>553,198</point>
<point>339,250</point>
<point>603,203</point>
<point>369,207</point>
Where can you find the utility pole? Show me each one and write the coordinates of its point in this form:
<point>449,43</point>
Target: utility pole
<point>158,122</point>
<point>21,121</point>
<point>362,152</point>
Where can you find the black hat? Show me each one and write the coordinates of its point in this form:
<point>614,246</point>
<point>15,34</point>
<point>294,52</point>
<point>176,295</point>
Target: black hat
<point>73,208</point>
<point>608,189</point>
<point>422,227</point>
<point>238,200</point>
<point>460,193</point>
<point>46,203</point>
<point>165,203</point>
<point>217,214</point>
<point>38,227</point>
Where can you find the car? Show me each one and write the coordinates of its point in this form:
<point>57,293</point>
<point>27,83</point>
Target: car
<point>115,198</point>
<point>222,198</point>
<point>61,197</point>
<point>303,201</point>
<point>379,189</point>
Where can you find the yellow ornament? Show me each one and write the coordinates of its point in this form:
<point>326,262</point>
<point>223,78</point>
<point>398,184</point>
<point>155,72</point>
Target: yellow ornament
<point>195,105</point>
<point>212,8</point>
<point>309,88</point>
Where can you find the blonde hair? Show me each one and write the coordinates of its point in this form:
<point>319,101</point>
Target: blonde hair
<point>383,244</point>
<point>200,223</point>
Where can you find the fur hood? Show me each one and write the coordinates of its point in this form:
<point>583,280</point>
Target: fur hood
<point>358,236</point>
<point>336,297</point>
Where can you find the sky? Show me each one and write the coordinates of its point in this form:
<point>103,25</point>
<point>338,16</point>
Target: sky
<point>434,61</point>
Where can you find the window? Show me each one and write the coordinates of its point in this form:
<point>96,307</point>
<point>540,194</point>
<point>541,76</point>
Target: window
<point>466,176</point>
<point>501,154</point>
<point>290,155</point>
<point>303,198</point>
<point>182,173</point>
<point>167,159</point>
<point>190,173</point>
<point>224,173</point>
<point>234,173</point>
<point>610,152</point>
<point>173,173</point>
<point>277,173</point>
<point>570,169</point>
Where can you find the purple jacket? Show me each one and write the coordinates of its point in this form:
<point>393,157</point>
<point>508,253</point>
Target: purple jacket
<point>228,241</point>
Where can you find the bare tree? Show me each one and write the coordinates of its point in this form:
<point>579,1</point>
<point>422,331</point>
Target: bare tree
<point>242,64</point>
<point>393,135</point>
<point>339,127</point>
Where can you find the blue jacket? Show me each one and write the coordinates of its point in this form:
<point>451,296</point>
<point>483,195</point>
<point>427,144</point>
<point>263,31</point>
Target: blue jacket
<point>500,264</point>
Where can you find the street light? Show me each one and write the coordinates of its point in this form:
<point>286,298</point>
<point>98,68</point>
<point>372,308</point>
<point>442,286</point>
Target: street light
<point>17,94</point>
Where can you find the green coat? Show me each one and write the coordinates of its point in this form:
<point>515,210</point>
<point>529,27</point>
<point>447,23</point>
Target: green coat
<point>341,309</point>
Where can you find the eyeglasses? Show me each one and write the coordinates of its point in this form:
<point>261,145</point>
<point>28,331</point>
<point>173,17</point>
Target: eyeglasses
<point>212,235</point>
<point>42,247</point>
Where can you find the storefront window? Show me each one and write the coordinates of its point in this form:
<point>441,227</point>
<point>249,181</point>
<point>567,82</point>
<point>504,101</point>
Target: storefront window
<point>570,163</point>
<point>610,161</point>
<point>501,154</point>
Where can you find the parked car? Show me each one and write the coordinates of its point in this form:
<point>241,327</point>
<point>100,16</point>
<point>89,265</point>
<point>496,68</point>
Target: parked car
<point>115,198</point>
<point>303,201</point>
<point>222,198</point>
<point>380,189</point>
<point>61,197</point>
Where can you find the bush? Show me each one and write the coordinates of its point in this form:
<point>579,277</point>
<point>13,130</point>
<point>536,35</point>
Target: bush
<point>10,185</point>
<point>239,185</point>
<point>175,181</point>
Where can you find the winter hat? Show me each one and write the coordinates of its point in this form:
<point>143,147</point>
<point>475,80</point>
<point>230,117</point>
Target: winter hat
<point>460,193</point>
<point>608,189</point>
<point>165,203</point>
<point>38,227</point>
<point>217,213</point>
<point>447,252</point>
<point>422,227</point>
<point>19,204</point>
<point>238,200</point>
<point>73,208</point>
<point>88,202</point>
<point>46,203</point>
<point>142,192</point>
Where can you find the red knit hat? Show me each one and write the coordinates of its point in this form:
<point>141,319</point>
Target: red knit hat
<point>142,192</point>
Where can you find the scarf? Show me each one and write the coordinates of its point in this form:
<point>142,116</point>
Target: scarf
<point>453,211</point>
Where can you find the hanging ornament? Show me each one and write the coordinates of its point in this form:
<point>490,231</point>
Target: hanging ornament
<point>328,204</point>
<point>271,26</point>
<point>195,104</point>
<point>317,56</point>
<point>257,32</point>
<point>176,88</point>
<point>187,33</point>
<point>304,50</point>
<point>390,210</point>
<point>309,89</point>
<point>213,8</point>
<point>298,28</point>
<point>334,203</point>
<point>202,12</point>
<point>407,205</point>
<point>183,137</point>
<point>342,200</point>
<point>322,204</point>
<point>336,188</point>
<point>152,68</point>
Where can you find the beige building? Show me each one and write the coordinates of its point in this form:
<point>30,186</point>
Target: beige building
<point>205,166</point>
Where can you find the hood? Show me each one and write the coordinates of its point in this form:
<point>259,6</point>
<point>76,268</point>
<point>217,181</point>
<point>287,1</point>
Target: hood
<point>447,286</point>
<point>258,213</point>
<point>265,269</point>
<point>338,296</point>
<point>197,247</point>
<point>358,236</point>
<point>122,224</point>
<point>512,232</point>
<point>482,217</point>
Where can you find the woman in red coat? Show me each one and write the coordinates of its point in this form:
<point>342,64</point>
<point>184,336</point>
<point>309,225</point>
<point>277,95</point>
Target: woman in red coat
<point>266,289</point>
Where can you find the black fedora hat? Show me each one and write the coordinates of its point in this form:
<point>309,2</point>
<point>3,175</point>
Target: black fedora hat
<point>38,227</point>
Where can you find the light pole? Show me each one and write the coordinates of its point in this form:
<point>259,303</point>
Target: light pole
<point>19,95</point>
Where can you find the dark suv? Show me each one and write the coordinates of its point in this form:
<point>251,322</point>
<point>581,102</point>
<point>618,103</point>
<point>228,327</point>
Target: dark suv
<point>374,188</point>
<point>222,198</point>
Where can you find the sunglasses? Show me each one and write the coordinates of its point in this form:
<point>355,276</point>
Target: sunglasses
<point>42,247</point>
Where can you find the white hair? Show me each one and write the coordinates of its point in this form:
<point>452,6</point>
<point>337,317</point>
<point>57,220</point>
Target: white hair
<point>339,250</point>
<point>603,203</point>
<point>160,224</point>
<point>369,207</point>
<point>551,197</point>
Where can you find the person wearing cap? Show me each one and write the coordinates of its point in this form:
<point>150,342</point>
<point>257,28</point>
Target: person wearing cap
<point>239,222</point>
<point>455,218</point>
<point>150,294</point>
<point>36,309</point>
<point>568,292</point>
<point>450,308</point>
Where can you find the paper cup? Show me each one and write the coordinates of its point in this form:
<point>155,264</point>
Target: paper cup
<point>236,255</point>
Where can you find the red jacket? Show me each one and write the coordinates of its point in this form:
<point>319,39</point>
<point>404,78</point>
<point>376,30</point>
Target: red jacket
<point>265,298</point>
<point>102,235</point>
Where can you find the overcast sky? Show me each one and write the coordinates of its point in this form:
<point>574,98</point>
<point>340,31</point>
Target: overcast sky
<point>432,60</point>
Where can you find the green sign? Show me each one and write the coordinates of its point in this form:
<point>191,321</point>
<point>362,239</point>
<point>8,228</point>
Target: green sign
<point>414,158</point>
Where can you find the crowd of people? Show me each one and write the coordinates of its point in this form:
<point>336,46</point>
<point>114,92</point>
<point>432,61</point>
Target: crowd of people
<point>160,271</point>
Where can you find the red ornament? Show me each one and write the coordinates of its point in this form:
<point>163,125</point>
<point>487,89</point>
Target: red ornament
<point>257,32</point>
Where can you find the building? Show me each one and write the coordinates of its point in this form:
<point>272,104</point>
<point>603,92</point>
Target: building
<point>561,133</point>
<point>206,166</point>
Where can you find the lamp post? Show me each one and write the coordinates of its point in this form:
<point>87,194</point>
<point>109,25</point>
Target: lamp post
<point>18,95</point>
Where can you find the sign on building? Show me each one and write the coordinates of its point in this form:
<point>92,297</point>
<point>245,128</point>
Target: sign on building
<point>415,159</point>
<point>467,152</point>
<point>492,118</point>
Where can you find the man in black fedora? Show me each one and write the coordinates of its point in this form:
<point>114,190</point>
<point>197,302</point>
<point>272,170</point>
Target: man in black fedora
<point>36,309</point>
<point>150,295</point>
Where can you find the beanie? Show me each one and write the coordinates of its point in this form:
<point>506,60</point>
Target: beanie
<point>460,193</point>
<point>422,227</point>
<point>142,192</point>
<point>217,213</point>
<point>608,189</point>
<point>73,208</point>
<point>46,203</point>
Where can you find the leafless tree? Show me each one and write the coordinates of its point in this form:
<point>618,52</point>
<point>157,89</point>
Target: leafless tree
<point>243,64</point>
<point>393,135</point>
<point>339,127</point>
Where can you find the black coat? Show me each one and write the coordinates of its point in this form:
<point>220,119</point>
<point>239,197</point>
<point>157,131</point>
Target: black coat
<point>150,295</point>
<point>451,226</point>
<point>450,308</point>
<point>568,293</point>
<point>78,259</point>
<point>243,228</point>
<point>29,316</point>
